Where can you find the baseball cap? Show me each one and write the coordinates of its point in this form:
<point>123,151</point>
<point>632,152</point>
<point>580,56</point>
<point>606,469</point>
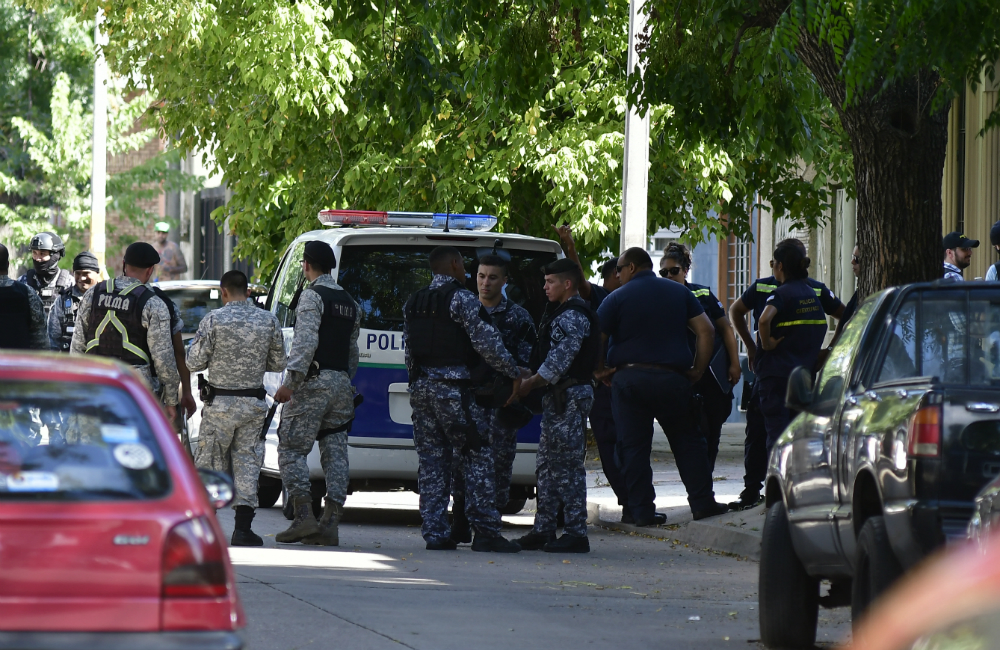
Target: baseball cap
<point>995,234</point>
<point>161,226</point>
<point>958,240</point>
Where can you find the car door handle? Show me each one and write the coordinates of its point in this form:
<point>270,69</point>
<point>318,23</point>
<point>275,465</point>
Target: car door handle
<point>982,407</point>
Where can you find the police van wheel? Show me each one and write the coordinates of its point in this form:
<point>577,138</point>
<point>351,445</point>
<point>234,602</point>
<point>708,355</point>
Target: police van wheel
<point>514,506</point>
<point>789,597</point>
<point>268,491</point>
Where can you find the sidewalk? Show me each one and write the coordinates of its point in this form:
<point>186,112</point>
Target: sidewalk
<point>736,532</point>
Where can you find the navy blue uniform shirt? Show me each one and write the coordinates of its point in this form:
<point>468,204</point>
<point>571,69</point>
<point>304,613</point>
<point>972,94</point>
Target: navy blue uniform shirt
<point>757,294</point>
<point>647,320</point>
<point>713,309</point>
<point>801,322</point>
<point>597,296</point>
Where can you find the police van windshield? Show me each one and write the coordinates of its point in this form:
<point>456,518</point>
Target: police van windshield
<point>381,279</point>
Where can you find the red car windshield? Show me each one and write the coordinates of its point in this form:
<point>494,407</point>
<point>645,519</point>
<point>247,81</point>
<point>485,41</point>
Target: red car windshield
<point>76,442</point>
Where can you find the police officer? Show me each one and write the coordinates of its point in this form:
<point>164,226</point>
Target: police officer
<point>237,344</point>
<point>517,330</point>
<point>716,393</point>
<point>62,316</point>
<point>652,370</point>
<point>22,317</point>
<point>318,397</point>
<point>792,329</point>
<point>444,336</point>
<point>753,300</point>
<point>46,278</point>
<point>564,361</point>
<point>123,318</point>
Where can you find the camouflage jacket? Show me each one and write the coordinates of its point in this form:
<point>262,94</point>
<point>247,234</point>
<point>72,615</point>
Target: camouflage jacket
<point>237,344</point>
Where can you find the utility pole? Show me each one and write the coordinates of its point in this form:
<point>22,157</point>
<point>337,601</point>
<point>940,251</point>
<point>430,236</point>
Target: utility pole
<point>635,170</point>
<point>99,169</point>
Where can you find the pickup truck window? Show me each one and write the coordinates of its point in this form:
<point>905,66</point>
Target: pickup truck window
<point>945,337</point>
<point>830,384</point>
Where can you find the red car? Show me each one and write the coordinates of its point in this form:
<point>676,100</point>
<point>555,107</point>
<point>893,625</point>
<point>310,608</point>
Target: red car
<point>108,535</point>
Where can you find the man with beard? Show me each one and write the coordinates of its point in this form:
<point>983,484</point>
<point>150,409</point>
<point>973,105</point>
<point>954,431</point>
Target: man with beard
<point>62,316</point>
<point>46,278</point>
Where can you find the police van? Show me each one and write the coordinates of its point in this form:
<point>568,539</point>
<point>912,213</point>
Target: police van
<point>381,260</point>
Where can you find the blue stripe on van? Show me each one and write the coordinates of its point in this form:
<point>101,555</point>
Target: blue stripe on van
<point>372,418</point>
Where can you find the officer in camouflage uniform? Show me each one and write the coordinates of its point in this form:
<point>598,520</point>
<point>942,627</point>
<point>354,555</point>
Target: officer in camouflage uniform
<point>62,316</point>
<point>444,337</point>
<point>517,331</point>
<point>318,397</point>
<point>565,359</point>
<point>123,318</point>
<point>22,317</point>
<point>237,344</point>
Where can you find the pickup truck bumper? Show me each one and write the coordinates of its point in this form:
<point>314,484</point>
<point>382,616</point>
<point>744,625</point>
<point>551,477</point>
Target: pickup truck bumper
<point>917,528</point>
<point>120,641</point>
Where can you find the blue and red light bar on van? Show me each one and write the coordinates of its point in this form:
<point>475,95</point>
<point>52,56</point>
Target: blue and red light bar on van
<point>412,219</point>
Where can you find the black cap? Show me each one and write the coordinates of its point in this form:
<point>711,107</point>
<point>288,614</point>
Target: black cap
<point>320,254</point>
<point>4,257</point>
<point>995,234</point>
<point>141,255</point>
<point>565,265</point>
<point>958,240</point>
<point>86,261</point>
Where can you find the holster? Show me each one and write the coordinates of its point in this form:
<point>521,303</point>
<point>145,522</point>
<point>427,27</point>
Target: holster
<point>313,371</point>
<point>205,391</point>
<point>559,392</point>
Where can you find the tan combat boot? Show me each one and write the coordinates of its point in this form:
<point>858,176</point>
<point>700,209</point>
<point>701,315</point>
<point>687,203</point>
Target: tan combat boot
<point>328,534</point>
<point>304,523</point>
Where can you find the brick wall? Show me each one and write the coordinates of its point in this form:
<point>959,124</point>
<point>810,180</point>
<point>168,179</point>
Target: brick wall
<point>121,231</point>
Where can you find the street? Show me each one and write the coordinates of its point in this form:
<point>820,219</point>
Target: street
<point>381,589</point>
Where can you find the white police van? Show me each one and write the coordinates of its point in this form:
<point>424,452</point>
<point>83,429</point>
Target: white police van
<point>381,261</point>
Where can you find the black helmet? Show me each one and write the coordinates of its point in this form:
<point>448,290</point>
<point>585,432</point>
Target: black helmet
<point>995,234</point>
<point>47,241</point>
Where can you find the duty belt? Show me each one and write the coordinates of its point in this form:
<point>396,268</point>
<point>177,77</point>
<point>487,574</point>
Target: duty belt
<point>259,392</point>
<point>653,366</point>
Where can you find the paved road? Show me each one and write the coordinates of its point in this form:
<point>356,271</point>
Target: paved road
<point>381,589</point>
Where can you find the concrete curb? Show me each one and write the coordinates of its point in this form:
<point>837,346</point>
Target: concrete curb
<point>738,533</point>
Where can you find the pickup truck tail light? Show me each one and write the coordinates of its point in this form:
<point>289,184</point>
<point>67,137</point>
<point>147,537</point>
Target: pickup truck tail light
<point>925,432</point>
<point>193,562</point>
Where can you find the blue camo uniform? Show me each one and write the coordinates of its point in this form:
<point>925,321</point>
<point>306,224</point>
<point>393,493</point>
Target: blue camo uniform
<point>755,449</point>
<point>517,330</point>
<point>443,336</point>
<point>716,404</point>
<point>561,475</point>
<point>801,323</point>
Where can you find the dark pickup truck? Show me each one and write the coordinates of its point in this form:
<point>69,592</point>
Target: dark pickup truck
<point>894,439</point>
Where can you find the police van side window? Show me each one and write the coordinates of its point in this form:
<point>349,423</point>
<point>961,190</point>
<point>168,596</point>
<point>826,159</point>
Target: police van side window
<point>288,284</point>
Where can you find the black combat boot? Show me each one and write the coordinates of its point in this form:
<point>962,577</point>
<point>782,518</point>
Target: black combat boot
<point>568,544</point>
<point>747,501</point>
<point>534,541</point>
<point>303,525</point>
<point>461,531</point>
<point>329,534</point>
<point>242,535</point>
<point>496,544</point>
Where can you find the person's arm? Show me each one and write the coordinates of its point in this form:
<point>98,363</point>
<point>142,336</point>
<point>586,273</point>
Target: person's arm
<point>704,340</point>
<point>78,345</point>
<point>308,315</point>
<point>187,399</point>
<point>729,340</point>
<point>276,357</point>
<point>199,352</point>
<point>570,330</point>
<point>766,318</point>
<point>355,353</point>
<point>485,338</point>
<point>156,320</point>
<point>738,317</point>
<point>181,265</point>
<point>569,247</point>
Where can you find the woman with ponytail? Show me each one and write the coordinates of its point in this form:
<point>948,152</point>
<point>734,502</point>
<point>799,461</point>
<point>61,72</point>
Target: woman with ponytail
<point>792,329</point>
<point>716,392</point>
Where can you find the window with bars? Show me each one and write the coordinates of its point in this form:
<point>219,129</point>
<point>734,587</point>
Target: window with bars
<point>739,274</point>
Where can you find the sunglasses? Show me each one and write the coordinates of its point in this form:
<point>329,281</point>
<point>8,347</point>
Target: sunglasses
<point>619,268</point>
<point>673,270</point>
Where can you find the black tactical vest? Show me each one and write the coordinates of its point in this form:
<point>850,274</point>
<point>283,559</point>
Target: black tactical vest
<point>15,317</point>
<point>434,339</point>
<point>335,329</point>
<point>585,363</point>
<point>115,327</point>
<point>70,305</point>
<point>49,293</point>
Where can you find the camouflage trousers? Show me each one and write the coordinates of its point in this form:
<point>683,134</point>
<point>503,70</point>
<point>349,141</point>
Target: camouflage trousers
<point>449,428</point>
<point>562,479</point>
<point>317,410</point>
<point>230,428</point>
<point>503,446</point>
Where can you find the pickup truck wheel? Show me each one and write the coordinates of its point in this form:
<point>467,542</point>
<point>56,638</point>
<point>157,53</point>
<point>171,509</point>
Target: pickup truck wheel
<point>268,491</point>
<point>789,597</point>
<point>875,566</point>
